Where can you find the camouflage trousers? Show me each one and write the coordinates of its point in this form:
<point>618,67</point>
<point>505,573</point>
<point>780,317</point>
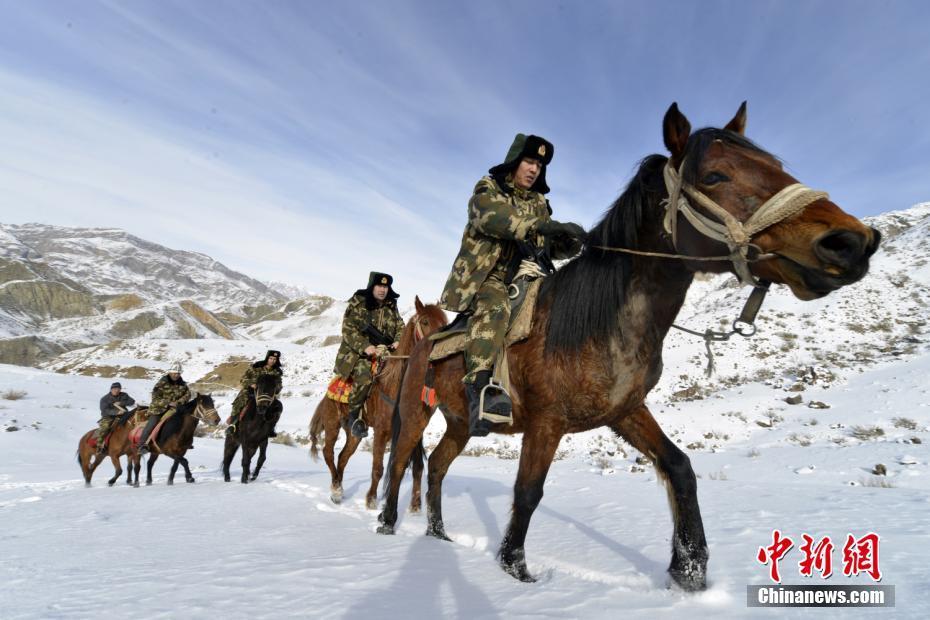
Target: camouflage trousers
<point>487,326</point>
<point>103,427</point>
<point>361,384</point>
<point>242,399</point>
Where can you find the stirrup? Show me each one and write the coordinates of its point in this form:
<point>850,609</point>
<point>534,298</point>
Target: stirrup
<point>498,391</point>
<point>359,428</point>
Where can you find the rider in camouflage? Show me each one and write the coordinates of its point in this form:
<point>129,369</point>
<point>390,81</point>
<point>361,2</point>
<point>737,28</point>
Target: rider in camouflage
<point>507,207</point>
<point>170,392</point>
<point>271,365</point>
<point>372,319</point>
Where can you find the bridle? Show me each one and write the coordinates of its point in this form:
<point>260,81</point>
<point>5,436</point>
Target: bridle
<point>200,411</point>
<point>723,227</point>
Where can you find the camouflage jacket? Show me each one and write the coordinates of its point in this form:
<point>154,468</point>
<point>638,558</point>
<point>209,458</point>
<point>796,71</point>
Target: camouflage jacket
<point>258,369</point>
<point>166,392</point>
<point>497,217</point>
<point>362,311</point>
<point>108,404</point>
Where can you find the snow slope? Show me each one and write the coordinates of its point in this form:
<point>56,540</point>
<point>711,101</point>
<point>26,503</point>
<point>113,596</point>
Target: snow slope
<point>599,541</point>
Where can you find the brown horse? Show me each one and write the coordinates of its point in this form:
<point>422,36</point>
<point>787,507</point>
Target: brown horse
<point>118,445</point>
<point>379,410</point>
<point>595,348</point>
<point>177,435</point>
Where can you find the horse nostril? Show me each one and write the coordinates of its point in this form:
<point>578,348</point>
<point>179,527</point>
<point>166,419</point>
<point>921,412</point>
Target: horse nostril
<point>873,245</point>
<point>842,248</point>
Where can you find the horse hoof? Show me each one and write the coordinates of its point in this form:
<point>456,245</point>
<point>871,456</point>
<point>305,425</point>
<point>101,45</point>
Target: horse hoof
<point>371,504</point>
<point>190,480</point>
<point>252,479</point>
<point>690,576</point>
<point>515,566</point>
<point>227,478</point>
<point>438,532</point>
<point>148,483</point>
<point>86,485</point>
<point>386,529</point>
<point>414,510</point>
<point>170,482</point>
<point>136,485</point>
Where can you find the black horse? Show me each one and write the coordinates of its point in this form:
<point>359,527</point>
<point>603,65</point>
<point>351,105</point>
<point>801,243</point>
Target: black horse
<point>261,412</point>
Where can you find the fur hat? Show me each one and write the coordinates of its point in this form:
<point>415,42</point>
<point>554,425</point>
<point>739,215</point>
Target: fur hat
<point>175,367</point>
<point>533,147</point>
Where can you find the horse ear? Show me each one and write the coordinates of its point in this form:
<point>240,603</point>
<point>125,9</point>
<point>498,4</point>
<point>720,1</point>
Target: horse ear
<point>738,122</point>
<point>675,131</point>
<point>417,303</point>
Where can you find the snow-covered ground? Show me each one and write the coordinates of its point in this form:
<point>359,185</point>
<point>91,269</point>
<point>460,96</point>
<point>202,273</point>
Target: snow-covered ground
<point>599,541</point>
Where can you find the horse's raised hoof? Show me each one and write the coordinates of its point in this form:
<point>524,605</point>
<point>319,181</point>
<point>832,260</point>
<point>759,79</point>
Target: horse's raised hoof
<point>111,482</point>
<point>514,564</point>
<point>386,529</point>
<point>253,477</point>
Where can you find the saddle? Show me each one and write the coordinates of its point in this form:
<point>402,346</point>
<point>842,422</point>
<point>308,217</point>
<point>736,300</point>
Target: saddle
<point>339,388</point>
<point>451,340</point>
<point>118,422</point>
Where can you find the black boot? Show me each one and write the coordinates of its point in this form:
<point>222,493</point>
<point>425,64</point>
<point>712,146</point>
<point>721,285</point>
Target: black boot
<point>356,425</point>
<point>496,402</point>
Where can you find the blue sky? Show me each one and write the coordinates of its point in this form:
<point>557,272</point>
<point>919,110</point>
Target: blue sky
<point>309,142</point>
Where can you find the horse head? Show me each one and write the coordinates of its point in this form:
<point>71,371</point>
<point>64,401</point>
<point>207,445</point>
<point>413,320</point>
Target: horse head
<point>204,409</point>
<point>427,319</point>
<point>265,393</point>
<point>728,196</point>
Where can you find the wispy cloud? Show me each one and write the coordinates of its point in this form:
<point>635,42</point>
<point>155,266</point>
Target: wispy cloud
<point>311,142</point>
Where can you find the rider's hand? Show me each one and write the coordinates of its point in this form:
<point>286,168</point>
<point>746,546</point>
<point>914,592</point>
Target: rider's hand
<point>394,346</point>
<point>371,350</point>
<point>553,228</point>
<point>252,386</point>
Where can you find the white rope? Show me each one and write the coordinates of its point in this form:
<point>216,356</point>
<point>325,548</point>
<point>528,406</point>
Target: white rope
<point>789,201</point>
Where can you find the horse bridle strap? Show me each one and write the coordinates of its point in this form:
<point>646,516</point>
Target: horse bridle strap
<point>737,236</point>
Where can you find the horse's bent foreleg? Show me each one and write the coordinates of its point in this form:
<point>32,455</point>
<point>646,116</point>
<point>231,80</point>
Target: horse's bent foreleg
<point>689,546</point>
<point>378,445</point>
<point>188,476</point>
<point>450,446</point>
<point>539,446</point>
<point>119,469</point>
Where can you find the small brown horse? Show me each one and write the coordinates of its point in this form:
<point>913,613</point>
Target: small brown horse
<point>177,435</point>
<point>379,410</point>
<point>595,348</point>
<point>118,445</point>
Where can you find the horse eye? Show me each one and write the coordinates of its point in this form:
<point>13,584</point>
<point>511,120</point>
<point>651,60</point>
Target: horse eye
<point>712,178</point>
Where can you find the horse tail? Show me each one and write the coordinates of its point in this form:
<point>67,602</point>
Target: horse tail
<point>316,429</point>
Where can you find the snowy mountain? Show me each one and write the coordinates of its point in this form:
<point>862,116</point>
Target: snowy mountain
<point>67,288</point>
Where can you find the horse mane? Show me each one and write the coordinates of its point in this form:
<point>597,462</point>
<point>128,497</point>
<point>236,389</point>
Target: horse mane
<point>175,423</point>
<point>586,295</point>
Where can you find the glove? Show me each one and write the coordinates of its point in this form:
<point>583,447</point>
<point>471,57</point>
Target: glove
<point>553,228</point>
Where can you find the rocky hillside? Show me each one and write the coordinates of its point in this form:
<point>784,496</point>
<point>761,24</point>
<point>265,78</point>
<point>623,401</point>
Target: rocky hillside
<point>63,289</point>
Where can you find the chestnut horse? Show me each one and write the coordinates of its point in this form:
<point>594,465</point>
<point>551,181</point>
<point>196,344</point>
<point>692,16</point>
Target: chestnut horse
<point>118,445</point>
<point>261,412</point>
<point>177,435</point>
<point>595,347</point>
<point>379,410</point>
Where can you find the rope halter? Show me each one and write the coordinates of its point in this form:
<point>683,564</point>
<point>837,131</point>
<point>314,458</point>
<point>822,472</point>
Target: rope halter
<point>737,235</point>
